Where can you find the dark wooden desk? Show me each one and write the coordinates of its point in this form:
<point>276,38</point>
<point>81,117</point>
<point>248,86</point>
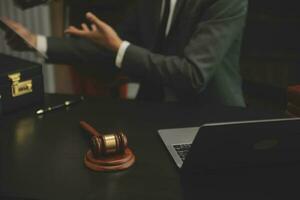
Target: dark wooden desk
<point>42,157</point>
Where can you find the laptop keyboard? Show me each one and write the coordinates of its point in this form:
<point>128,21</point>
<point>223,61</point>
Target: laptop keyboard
<point>182,150</point>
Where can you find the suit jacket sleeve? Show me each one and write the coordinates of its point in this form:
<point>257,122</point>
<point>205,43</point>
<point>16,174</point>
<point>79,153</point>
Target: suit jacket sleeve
<point>221,24</point>
<point>76,51</point>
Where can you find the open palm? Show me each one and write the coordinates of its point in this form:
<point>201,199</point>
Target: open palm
<point>99,32</point>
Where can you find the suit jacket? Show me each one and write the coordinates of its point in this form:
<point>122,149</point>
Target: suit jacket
<point>200,61</point>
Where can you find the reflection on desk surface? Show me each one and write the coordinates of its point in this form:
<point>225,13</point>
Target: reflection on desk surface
<point>43,157</point>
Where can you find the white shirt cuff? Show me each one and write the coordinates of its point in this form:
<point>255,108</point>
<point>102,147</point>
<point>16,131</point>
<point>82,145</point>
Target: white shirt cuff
<point>41,44</point>
<point>121,53</point>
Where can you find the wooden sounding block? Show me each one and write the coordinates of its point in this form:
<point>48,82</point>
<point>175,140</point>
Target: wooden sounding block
<point>110,163</point>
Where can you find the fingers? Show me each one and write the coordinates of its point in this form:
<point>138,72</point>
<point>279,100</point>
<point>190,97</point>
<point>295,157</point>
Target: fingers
<point>96,21</point>
<point>71,29</point>
<point>85,27</point>
<point>75,31</point>
<point>94,27</point>
<point>84,31</point>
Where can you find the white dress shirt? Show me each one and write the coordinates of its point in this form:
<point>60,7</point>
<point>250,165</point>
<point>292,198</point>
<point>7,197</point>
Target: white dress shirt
<point>125,44</point>
<point>42,44</point>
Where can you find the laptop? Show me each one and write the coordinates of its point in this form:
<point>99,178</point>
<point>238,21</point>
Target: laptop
<point>234,144</point>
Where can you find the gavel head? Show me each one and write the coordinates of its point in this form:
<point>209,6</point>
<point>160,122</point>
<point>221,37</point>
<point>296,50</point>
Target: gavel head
<point>105,145</point>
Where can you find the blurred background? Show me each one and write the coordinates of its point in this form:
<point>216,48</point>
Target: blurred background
<point>270,52</point>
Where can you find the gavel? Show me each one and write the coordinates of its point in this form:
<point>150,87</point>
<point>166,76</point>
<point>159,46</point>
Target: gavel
<point>105,144</point>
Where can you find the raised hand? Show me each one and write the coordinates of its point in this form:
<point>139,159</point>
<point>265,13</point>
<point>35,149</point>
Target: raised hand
<point>99,32</point>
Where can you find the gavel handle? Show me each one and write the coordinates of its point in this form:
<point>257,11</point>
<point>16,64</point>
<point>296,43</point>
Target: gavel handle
<point>91,130</point>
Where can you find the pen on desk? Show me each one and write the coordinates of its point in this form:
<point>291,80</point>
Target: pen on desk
<point>55,107</point>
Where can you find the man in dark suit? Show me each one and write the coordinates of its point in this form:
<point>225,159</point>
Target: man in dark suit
<point>182,50</point>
